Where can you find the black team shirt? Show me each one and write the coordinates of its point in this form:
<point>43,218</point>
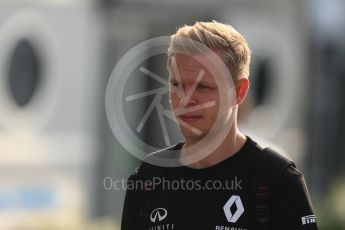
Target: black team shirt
<point>219,198</point>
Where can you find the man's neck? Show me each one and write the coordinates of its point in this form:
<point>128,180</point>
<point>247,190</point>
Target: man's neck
<point>232,143</point>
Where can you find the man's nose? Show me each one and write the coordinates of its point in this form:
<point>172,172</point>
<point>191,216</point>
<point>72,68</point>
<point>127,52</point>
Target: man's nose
<point>189,97</point>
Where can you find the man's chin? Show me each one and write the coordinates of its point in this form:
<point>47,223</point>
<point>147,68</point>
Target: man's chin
<point>193,136</point>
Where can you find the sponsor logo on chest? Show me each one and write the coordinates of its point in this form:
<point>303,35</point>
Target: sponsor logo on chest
<point>233,210</point>
<point>157,216</point>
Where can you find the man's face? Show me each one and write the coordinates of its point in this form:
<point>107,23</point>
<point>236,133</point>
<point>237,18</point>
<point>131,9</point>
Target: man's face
<point>194,95</point>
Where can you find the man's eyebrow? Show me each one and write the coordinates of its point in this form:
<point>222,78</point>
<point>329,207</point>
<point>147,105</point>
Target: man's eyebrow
<point>203,81</point>
<point>206,81</point>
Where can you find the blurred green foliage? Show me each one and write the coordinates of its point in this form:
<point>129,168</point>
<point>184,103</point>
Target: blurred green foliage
<point>330,211</point>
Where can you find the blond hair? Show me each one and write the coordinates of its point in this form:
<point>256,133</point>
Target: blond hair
<point>214,35</point>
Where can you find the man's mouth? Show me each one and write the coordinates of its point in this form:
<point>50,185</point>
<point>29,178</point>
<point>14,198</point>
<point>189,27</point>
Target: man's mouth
<point>189,118</point>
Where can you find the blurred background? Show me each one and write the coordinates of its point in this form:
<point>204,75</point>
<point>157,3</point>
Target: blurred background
<point>56,56</point>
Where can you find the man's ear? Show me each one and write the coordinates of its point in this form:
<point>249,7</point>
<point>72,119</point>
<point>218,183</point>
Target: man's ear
<point>242,87</point>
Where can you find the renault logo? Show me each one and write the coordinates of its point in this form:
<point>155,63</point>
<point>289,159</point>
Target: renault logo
<point>158,214</point>
<point>234,200</point>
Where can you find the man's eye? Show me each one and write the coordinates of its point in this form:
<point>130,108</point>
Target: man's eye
<point>204,86</point>
<point>176,84</point>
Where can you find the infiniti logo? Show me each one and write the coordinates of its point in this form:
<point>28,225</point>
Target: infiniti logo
<point>158,214</point>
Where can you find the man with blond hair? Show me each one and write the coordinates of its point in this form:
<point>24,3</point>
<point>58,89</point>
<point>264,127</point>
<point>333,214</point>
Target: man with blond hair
<point>218,178</point>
